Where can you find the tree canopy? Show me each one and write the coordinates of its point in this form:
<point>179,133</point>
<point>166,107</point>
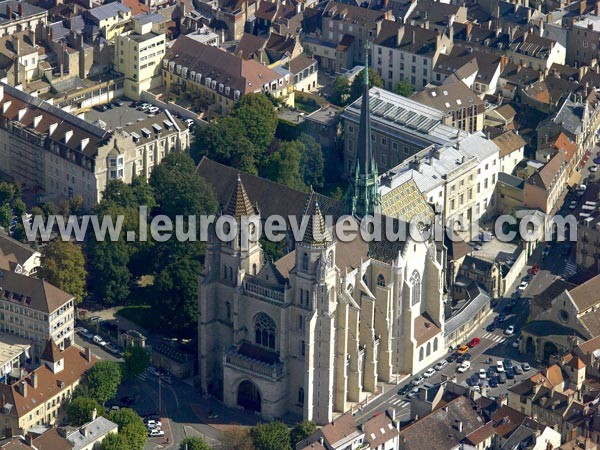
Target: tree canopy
<point>403,88</point>
<point>284,164</point>
<point>102,381</point>
<point>271,436</point>
<point>258,119</point>
<point>301,431</point>
<point>237,438</point>
<point>193,443</point>
<point>115,441</point>
<point>311,161</point>
<point>131,428</point>
<point>341,91</point>
<point>357,85</point>
<point>137,360</point>
<point>80,410</point>
<point>63,265</point>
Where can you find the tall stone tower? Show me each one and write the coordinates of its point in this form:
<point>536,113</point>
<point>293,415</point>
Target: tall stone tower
<point>363,197</point>
<point>315,279</point>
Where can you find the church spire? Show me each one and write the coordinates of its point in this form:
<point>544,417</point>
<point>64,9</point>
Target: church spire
<point>363,195</point>
<point>239,204</point>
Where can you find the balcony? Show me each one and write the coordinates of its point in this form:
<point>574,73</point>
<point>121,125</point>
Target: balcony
<point>255,361</point>
<point>263,293</point>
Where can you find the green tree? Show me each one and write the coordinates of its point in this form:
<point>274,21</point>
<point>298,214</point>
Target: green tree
<point>357,85</point>
<point>301,431</point>
<point>110,277</point>
<point>271,436</point>
<point>258,119</point>
<point>311,161</point>
<point>403,88</point>
<point>226,142</point>
<point>175,290</point>
<point>340,91</point>
<point>5,215</point>
<point>131,428</point>
<point>9,192</point>
<point>137,360</point>
<point>115,441</point>
<point>193,443</point>
<point>80,410</point>
<point>179,190</point>
<point>102,381</point>
<point>63,265</point>
<point>284,165</point>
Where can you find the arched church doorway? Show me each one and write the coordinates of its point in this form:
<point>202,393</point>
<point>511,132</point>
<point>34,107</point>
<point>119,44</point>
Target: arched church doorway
<point>248,396</point>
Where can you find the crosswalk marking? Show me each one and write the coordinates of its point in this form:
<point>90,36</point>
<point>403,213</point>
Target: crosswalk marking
<point>494,337</point>
<point>570,269</point>
<point>404,405</point>
<point>396,401</point>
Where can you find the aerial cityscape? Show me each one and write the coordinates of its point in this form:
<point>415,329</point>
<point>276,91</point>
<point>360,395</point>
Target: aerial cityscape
<point>299,225</point>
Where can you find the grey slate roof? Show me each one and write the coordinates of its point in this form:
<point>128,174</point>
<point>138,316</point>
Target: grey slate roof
<point>108,10</point>
<point>93,430</point>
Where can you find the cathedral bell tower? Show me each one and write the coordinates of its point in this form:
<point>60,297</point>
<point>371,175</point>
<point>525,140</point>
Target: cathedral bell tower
<point>363,197</point>
<point>243,253</point>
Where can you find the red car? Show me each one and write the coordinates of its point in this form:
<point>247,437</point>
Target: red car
<point>534,270</point>
<point>473,342</point>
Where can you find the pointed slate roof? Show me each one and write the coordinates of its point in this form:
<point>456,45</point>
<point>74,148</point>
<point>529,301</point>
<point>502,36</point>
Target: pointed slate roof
<point>317,234</point>
<point>269,276</point>
<point>239,204</point>
<point>51,353</point>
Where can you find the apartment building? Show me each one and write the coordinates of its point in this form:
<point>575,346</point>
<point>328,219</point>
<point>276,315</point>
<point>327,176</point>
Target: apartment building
<point>108,20</point>
<point>455,99</point>
<point>588,243</point>
<point>407,52</point>
<point>400,128</point>
<point>41,397</point>
<point>61,155</point>
<point>138,56</point>
<point>18,16</point>
<point>220,78</point>
<point>36,310</point>
<point>583,40</point>
<point>512,150</point>
<point>535,52</point>
<point>545,187</point>
<point>339,41</point>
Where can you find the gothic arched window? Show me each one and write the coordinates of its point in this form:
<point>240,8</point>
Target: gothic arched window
<point>254,269</point>
<point>435,344</point>
<point>428,348</point>
<point>301,396</point>
<point>264,329</point>
<point>380,280</point>
<point>421,351</point>
<point>305,261</point>
<point>415,282</point>
<point>330,259</point>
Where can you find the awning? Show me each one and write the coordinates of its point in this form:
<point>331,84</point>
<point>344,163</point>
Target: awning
<point>574,179</point>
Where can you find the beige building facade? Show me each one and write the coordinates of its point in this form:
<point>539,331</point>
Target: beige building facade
<point>62,155</point>
<point>315,332</point>
<point>138,56</point>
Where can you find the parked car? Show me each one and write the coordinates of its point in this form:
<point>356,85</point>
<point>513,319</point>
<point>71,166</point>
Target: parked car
<point>404,389</point>
<point>476,388</point>
<point>491,327</point>
<point>491,372</point>
<point>482,374</point>
<point>493,382</point>
<point>501,317</point>
<point>467,356</point>
<point>155,433</point>
<point>98,340</point>
<point>418,380</point>
<point>516,343</point>
<point>508,364</point>
<point>96,319</point>
<point>439,366</point>
<point>593,168</point>
<point>499,366</point>
<point>462,349</point>
<point>526,367</point>
<point>510,330</point>
<point>151,423</point>
<point>100,108</point>
<point>501,378</point>
<point>518,369</point>
<point>154,371</point>
<point>473,342</point>
<point>534,269</point>
<point>153,109</point>
<point>546,251</point>
<point>466,365</point>
<point>118,102</point>
<point>413,392</point>
<point>429,372</point>
<point>510,373</point>
<point>523,285</point>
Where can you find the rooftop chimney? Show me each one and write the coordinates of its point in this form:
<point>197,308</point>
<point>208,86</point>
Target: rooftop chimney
<point>20,9</point>
<point>88,353</point>
<point>34,380</point>
<point>23,385</point>
<point>94,414</point>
